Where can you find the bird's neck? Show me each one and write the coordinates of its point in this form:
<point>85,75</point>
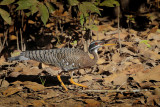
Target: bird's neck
<point>95,59</point>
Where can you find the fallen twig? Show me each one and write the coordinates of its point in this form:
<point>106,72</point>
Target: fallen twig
<point>112,91</point>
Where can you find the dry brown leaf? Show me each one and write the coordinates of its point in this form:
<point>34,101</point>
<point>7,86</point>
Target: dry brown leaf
<point>117,78</point>
<point>128,43</point>
<point>13,37</point>
<point>116,58</point>
<point>146,84</point>
<point>1,35</point>
<point>134,68</point>
<point>11,28</point>
<point>23,103</point>
<point>3,83</point>
<point>152,55</point>
<point>120,79</point>
<point>31,71</point>
<point>17,83</point>
<point>33,86</point>
<point>111,67</point>
<point>154,36</point>
<point>50,93</point>
<point>100,36</point>
<point>31,22</point>
<point>2,60</point>
<point>151,98</point>
<point>17,69</point>
<point>92,103</point>
<point>101,61</point>
<point>122,35</point>
<point>106,98</point>
<point>33,63</point>
<point>14,74</point>
<point>105,28</point>
<point>131,31</point>
<point>60,46</point>
<point>50,25</point>
<point>11,90</point>
<point>157,91</point>
<point>85,78</point>
<point>82,71</point>
<point>153,74</point>
<point>125,50</point>
<point>38,103</point>
<point>136,61</point>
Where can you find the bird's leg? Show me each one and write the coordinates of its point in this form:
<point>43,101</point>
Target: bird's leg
<point>60,80</point>
<point>71,80</point>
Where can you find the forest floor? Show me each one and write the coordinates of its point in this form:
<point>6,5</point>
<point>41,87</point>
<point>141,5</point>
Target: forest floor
<point>129,76</point>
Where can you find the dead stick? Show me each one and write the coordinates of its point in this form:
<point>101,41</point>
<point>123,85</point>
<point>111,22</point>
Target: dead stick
<point>112,91</point>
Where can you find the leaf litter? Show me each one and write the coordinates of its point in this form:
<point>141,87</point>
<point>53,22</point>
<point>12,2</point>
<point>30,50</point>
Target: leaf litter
<point>128,76</point>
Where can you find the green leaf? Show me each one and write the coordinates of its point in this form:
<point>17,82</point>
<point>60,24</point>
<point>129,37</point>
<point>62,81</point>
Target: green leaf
<point>146,43</point>
<point>34,9</point>
<point>74,43</point>
<point>82,19</point>
<point>73,2</point>
<point>28,14</point>
<point>85,7</point>
<point>110,3</point>
<point>92,27</point>
<point>50,7</point>
<point>44,13</point>
<point>6,2</point>
<point>6,16</point>
<point>26,4</point>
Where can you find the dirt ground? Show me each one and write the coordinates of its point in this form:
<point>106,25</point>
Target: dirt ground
<point>127,74</point>
<point>129,78</point>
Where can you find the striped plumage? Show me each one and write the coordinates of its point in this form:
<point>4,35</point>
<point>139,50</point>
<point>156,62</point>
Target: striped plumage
<point>65,58</point>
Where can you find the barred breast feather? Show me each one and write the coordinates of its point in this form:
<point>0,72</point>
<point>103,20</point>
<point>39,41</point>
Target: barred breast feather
<point>65,58</point>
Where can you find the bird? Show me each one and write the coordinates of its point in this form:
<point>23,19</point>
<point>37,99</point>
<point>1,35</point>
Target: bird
<point>67,59</point>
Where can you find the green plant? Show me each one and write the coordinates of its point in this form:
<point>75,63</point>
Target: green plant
<point>87,8</point>
<point>34,6</point>
<point>130,19</point>
<point>146,43</point>
<point>42,80</point>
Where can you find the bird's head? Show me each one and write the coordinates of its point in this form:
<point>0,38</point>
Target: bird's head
<point>95,45</point>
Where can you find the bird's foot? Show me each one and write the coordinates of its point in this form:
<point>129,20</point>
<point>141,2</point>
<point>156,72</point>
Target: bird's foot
<point>71,80</point>
<point>59,78</point>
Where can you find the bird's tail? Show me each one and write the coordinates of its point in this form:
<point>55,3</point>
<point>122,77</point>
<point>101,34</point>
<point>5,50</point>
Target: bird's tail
<point>19,58</point>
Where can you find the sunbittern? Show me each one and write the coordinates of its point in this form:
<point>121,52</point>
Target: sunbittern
<point>67,59</point>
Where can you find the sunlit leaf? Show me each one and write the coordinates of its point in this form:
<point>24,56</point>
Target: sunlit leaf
<point>74,43</point>
<point>6,16</point>
<point>44,13</point>
<point>146,43</point>
<point>6,2</point>
<point>26,4</point>
<point>81,19</point>
<point>110,3</point>
<point>73,2</point>
<point>12,37</point>
<point>50,7</point>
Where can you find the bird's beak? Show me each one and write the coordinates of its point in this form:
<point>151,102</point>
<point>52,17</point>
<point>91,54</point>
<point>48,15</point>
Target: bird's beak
<point>108,44</point>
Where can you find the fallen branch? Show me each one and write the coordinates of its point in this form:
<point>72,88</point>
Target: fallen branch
<point>113,91</point>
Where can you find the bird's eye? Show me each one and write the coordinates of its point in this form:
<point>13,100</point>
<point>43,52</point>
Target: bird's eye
<point>96,43</point>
